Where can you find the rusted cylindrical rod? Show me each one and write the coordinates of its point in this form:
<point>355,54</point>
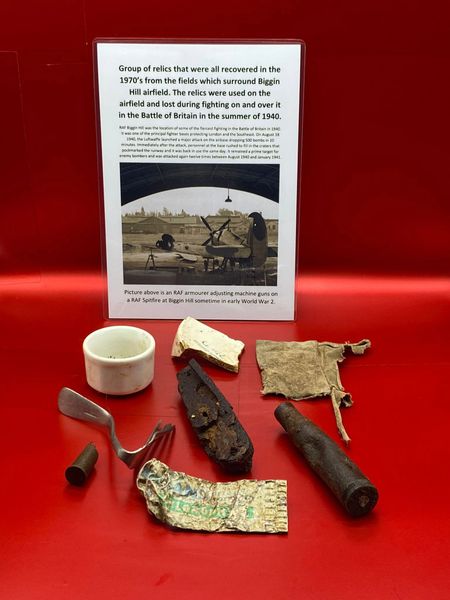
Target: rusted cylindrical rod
<point>350,486</point>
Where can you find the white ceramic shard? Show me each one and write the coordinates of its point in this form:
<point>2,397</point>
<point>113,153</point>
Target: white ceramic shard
<point>196,338</point>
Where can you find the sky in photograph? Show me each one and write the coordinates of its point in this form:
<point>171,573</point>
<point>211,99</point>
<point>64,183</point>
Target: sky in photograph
<point>203,201</point>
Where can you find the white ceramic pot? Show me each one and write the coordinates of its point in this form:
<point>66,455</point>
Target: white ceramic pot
<point>119,360</point>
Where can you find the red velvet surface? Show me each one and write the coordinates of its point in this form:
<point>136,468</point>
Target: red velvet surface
<point>99,541</point>
<point>373,262</point>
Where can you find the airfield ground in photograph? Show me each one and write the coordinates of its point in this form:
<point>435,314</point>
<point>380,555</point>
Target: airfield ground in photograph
<point>145,263</point>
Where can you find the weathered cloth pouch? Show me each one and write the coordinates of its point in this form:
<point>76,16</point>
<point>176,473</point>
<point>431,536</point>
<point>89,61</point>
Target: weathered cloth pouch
<point>301,370</point>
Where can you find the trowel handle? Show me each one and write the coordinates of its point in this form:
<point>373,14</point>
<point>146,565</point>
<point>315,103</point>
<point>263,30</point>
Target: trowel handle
<point>350,486</point>
<point>77,406</point>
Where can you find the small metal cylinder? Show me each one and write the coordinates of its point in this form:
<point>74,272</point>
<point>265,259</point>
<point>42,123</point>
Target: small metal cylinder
<point>78,472</point>
<point>350,486</point>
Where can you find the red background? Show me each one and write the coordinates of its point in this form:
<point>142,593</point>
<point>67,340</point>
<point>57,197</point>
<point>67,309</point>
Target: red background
<point>373,262</point>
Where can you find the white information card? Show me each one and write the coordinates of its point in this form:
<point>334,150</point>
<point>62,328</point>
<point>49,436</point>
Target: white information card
<point>200,151</point>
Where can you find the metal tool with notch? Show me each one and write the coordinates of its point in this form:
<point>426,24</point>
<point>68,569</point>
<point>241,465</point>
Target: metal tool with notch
<point>75,405</point>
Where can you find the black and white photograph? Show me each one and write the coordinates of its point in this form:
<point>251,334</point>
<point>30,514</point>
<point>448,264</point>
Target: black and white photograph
<point>200,224</point>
